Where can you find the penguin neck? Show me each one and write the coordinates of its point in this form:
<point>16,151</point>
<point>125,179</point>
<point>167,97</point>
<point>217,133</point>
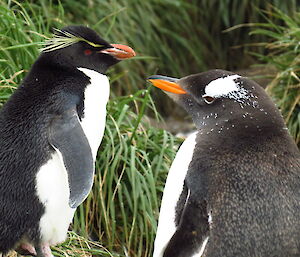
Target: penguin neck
<point>58,60</point>
<point>225,129</point>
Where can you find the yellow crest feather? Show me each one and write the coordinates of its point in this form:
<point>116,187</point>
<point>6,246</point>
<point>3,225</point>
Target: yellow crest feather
<point>63,39</point>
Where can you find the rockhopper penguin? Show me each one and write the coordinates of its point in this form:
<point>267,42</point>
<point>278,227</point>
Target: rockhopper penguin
<point>50,130</point>
<point>234,186</point>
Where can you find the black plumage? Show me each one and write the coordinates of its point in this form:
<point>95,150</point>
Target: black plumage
<point>41,117</point>
<point>244,176</point>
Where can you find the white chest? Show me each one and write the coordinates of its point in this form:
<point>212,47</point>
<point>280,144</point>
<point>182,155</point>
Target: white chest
<point>173,188</point>
<point>95,99</point>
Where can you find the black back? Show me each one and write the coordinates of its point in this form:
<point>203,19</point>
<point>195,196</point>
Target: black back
<point>24,146</point>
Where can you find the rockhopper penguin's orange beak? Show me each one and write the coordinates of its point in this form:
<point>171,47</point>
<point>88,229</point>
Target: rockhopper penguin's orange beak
<point>166,83</point>
<point>119,51</point>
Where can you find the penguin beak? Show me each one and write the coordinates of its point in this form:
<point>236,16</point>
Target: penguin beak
<point>120,52</point>
<point>166,83</point>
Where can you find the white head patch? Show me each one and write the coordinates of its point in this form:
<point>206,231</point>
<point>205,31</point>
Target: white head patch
<point>227,87</point>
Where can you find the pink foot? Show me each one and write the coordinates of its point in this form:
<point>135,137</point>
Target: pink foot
<point>45,248</point>
<point>26,249</point>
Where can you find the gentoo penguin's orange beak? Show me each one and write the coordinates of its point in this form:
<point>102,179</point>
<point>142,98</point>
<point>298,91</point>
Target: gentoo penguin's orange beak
<point>166,83</point>
<point>119,51</point>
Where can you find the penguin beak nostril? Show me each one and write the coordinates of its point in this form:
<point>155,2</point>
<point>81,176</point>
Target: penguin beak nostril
<point>167,84</point>
<point>119,51</point>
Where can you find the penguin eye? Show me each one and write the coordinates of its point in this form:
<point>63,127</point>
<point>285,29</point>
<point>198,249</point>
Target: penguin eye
<point>208,99</point>
<point>87,52</point>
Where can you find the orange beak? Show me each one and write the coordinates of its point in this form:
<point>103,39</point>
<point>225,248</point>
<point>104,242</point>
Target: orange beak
<point>119,51</point>
<point>166,83</point>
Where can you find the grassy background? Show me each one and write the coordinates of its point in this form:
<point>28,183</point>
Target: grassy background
<point>283,36</point>
<point>172,37</point>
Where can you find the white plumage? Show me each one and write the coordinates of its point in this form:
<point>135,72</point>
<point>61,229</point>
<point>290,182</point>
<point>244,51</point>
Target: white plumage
<point>173,188</point>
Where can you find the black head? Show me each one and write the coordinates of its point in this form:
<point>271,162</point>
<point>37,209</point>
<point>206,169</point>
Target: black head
<point>221,101</point>
<point>80,46</point>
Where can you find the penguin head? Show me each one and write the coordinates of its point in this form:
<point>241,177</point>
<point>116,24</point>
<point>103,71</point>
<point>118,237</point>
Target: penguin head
<point>219,99</point>
<point>81,47</point>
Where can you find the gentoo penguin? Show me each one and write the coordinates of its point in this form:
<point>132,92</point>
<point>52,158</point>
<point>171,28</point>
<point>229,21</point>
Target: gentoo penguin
<point>234,186</point>
<point>50,130</point>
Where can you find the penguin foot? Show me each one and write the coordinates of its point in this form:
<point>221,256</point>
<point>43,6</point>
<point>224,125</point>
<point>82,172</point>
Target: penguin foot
<point>26,249</point>
<point>43,250</point>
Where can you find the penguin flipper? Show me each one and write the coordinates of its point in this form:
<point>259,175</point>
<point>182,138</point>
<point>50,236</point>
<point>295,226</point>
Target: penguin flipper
<point>191,235</point>
<point>68,139</point>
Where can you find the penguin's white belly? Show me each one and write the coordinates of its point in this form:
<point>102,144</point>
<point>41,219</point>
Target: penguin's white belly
<point>53,192</point>
<point>173,188</point>
<point>52,178</point>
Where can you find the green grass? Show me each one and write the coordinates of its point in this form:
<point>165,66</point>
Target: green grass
<point>77,246</point>
<point>282,54</point>
<point>21,30</point>
<point>176,38</point>
<point>132,165</point>
<point>170,37</point>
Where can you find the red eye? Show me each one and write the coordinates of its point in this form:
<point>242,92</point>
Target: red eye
<point>87,52</point>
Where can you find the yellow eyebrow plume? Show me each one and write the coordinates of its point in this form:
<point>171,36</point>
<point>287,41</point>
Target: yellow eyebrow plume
<point>63,39</point>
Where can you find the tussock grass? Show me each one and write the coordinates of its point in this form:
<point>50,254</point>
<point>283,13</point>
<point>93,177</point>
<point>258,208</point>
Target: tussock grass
<point>132,166</point>
<point>283,54</point>
<point>77,246</point>
<point>176,38</point>
<point>22,28</point>
<point>133,160</point>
